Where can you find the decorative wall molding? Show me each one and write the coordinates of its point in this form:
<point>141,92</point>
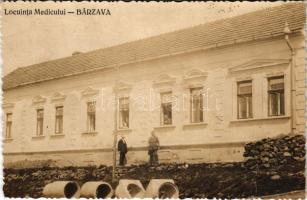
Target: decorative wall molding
<point>165,89</point>
<point>195,74</point>
<point>89,92</point>
<point>193,85</point>
<point>194,78</point>
<point>122,86</point>
<point>272,74</point>
<point>57,96</point>
<point>164,79</point>
<point>38,99</point>
<point>244,78</point>
<point>8,105</point>
<point>258,63</point>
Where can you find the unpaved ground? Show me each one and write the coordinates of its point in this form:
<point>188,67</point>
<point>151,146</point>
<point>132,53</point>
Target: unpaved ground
<point>228,180</point>
<point>274,166</point>
<point>300,194</point>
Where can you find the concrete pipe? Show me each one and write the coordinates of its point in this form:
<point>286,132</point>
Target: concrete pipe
<point>129,189</point>
<point>162,189</point>
<point>97,189</point>
<point>65,189</point>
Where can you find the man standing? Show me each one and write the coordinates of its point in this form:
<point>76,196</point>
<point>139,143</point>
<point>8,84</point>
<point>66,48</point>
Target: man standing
<point>122,148</point>
<point>153,146</point>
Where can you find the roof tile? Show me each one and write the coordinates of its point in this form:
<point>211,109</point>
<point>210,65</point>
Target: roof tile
<point>259,24</point>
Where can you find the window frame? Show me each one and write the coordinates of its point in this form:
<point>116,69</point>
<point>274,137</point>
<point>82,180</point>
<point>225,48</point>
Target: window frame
<point>8,125</point>
<point>276,91</point>
<point>201,110</point>
<point>122,107</point>
<point>91,117</point>
<point>40,122</point>
<point>60,118</point>
<point>162,103</point>
<point>246,96</point>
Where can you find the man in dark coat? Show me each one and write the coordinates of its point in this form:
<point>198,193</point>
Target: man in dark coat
<point>153,146</point>
<point>122,148</point>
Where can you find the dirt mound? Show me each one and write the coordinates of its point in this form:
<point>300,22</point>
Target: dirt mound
<point>274,152</point>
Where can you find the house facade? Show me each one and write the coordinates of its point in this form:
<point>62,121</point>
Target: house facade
<point>205,91</point>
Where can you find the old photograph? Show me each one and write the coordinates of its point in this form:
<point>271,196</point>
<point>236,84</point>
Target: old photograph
<point>153,100</point>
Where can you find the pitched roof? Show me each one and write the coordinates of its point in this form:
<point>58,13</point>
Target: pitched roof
<point>264,23</point>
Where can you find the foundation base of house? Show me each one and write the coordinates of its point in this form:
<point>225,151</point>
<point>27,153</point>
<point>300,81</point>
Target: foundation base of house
<point>203,153</point>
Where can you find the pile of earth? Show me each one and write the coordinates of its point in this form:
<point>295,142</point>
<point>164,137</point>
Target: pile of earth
<point>219,180</point>
<point>270,152</point>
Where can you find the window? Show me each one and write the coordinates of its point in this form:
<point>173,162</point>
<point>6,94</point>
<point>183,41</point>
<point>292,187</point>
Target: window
<point>124,112</point>
<point>276,96</point>
<point>59,119</point>
<point>8,130</point>
<point>245,102</point>
<point>196,105</point>
<point>166,108</point>
<point>91,116</point>
<point>40,122</point>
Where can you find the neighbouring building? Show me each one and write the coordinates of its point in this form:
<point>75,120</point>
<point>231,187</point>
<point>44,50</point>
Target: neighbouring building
<point>205,91</point>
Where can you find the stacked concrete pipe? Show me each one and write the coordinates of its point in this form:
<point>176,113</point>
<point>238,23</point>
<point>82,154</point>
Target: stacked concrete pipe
<point>129,189</point>
<point>62,189</point>
<point>162,189</point>
<point>97,189</point>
